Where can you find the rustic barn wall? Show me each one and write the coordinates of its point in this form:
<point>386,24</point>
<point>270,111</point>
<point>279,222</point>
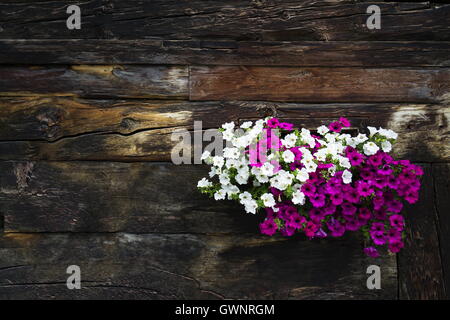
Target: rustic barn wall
<point>86,118</point>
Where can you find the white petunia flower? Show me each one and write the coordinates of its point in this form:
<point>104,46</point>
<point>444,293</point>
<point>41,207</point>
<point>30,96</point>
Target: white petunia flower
<point>231,190</point>
<point>330,137</point>
<point>246,125</point>
<point>205,155</point>
<point>344,162</point>
<point>241,179</point>
<point>386,146</point>
<point>311,167</point>
<point>228,126</point>
<point>302,175</point>
<point>250,206</point>
<point>228,135</point>
<point>388,133</point>
<point>347,177</point>
<point>288,156</point>
<point>214,171</point>
<point>351,142</point>
<point>322,130</point>
<point>298,197</point>
<point>231,153</point>
<point>372,131</point>
<point>220,195</point>
<point>268,200</point>
<point>224,179</point>
<point>370,148</point>
<point>204,183</point>
<point>267,169</point>
<point>332,170</point>
<point>289,140</point>
<point>245,196</point>
<point>218,161</point>
<point>360,138</point>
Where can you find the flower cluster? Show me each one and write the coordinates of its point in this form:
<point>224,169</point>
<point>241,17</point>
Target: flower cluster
<point>322,182</point>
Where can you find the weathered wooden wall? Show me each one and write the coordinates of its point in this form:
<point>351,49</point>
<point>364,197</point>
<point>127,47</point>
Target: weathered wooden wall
<point>86,118</point>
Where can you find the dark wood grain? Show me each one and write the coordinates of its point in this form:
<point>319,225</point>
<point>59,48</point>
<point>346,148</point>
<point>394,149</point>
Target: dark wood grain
<point>37,128</point>
<point>147,266</point>
<point>277,20</point>
<point>319,84</point>
<point>216,52</point>
<point>420,265</point>
<point>111,197</point>
<point>95,81</point>
<point>441,176</point>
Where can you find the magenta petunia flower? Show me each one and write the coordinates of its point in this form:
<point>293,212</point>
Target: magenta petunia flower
<point>363,188</point>
<point>378,203</point>
<point>320,233</point>
<point>275,191</point>
<point>397,221</point>
<point>378,238</point>
<point>412,197</point>
<point>348,209</point>
<point>337,198</point>
<point>268,227</point>
<point>337,229</point>
<point>394,234</point>
<point>288,231</point>
<point>344,121</point>
<point>273,123</point>
<point>286,126</point>
<point>395,246</point>
<point>377,227</point>
<point>371,252</point>
<point>309,189</point>
<point>351,195</point>
<point>317,200</point>
<point>352,224</point>
<point>364,214</point>
<point>355,158</point>
<point>310,229</point>
<point>297,221</point>
<point>335,126</point>
<point>394,206</point>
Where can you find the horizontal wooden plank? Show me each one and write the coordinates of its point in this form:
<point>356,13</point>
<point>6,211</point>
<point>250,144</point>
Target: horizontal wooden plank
<point>278,20</point>
<point>441,176</point>
<point>191,52</point>
<point>110,197</point>
<point>182,266</point>
<point>95,81</point>
<point>319,84</point>
<point>36,128</point>
<point>419,262</point>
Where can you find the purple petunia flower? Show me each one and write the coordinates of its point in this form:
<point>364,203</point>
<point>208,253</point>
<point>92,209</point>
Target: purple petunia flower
<point>309,189</point>
<point>310,229</point>
<point>335,126</point>
<point>348,209</point>
<point>273,123</point>
<point>394,206</point>
<point>395,246</point>
<point>364,214</point>
<point>286,126</point>
<point>268,227</point>
<point>344,122</point>
<point>363,188</point>
<point>371,252</point>
<point>351,195</point>
<point>397,221</point>
<point>355,158</point>
<point>378,238</point>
